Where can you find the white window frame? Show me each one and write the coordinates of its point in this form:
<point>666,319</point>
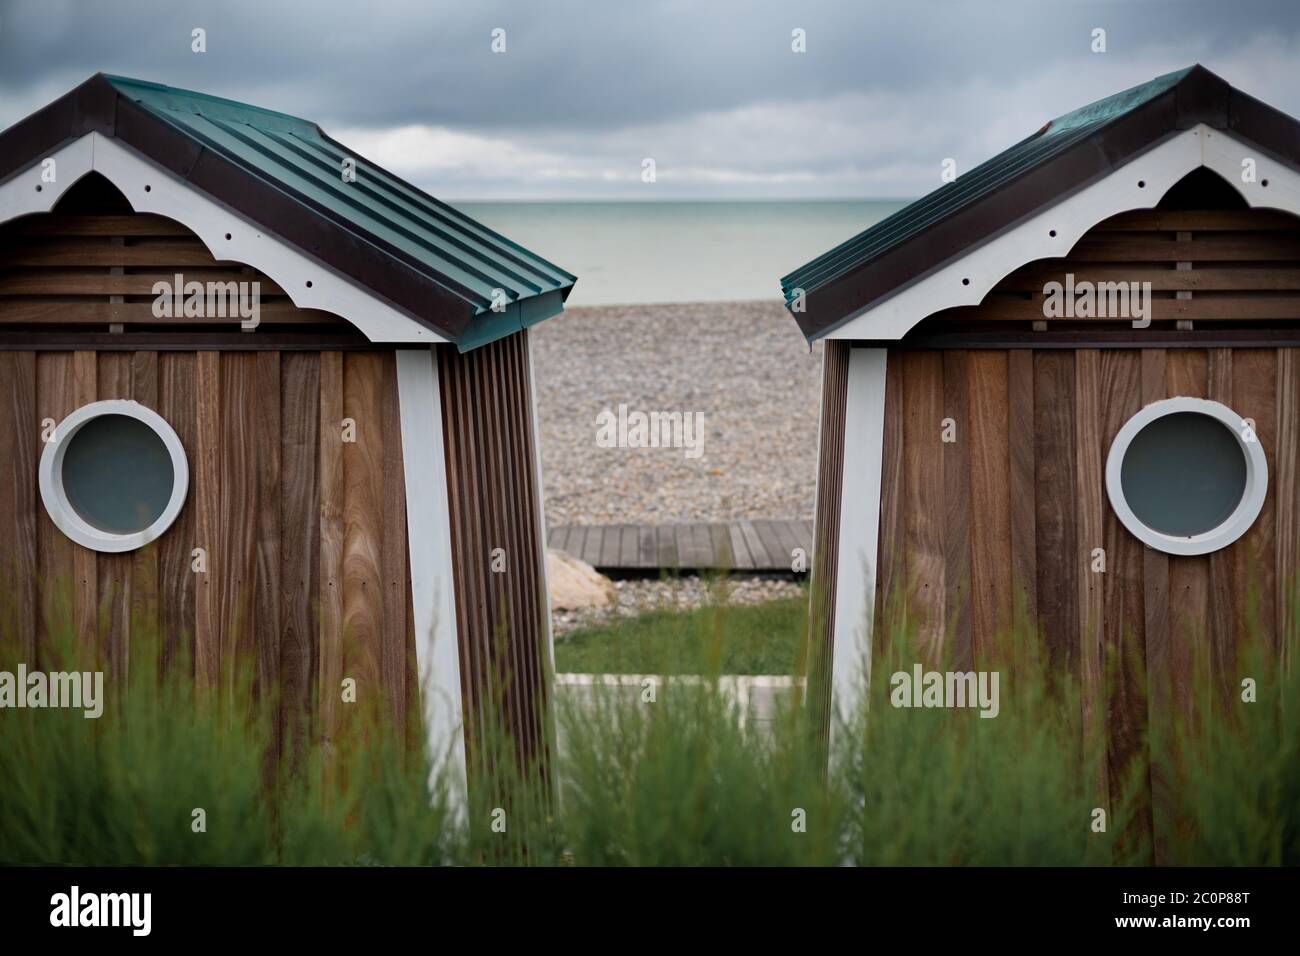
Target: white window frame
<point>55,498</point>
<point>1242,517</point>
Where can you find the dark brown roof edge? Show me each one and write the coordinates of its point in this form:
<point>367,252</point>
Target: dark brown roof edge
<point>97,106</point>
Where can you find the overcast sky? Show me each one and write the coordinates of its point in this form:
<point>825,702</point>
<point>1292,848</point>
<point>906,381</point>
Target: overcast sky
<point>710,89</point>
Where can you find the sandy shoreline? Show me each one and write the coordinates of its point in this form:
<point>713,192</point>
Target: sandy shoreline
<point>743,365</point>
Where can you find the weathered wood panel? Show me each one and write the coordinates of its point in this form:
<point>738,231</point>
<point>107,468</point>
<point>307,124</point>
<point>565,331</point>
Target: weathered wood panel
<point>19,445</point>
<point>1021,443</point>
<point>924,514</point>
<point>992,578</point>
<point>826,525</point>
<point>1287,503</point>
<point>332,497</point>
<point>1124,623</point>
<point>290,540</point>
<point>55,400</point>
<point>1058,554</point>
<point>1187,373</point>
<point>957,438</point>
<point>1089,579</point>
<point>205,472</point>
<point>1158,649</point>
<point>496,546</point>
<point>300,544</point>
<point>301,535</point>
<point>1126,620</point>
<point>890,588</point>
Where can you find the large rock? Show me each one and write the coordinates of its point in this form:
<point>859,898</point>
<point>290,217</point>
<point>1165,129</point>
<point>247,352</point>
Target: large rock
<point>576,584</point>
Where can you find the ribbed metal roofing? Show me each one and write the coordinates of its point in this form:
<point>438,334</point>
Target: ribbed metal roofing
<point>297,154</point>
<point>864,252</point>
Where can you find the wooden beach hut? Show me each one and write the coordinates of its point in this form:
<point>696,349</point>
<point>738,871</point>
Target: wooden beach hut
<point>1005,422</point>
<point>265,397</point>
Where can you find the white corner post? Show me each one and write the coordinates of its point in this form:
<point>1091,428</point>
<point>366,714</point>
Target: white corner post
<point>855,586</point>
<point>433,595</point>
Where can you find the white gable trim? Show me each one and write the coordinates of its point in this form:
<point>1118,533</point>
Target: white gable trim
<point>965,281</point>
<point>170,196</point>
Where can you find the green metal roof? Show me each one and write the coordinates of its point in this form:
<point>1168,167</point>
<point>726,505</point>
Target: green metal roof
<point>968,190</point>
<point>446,246</point>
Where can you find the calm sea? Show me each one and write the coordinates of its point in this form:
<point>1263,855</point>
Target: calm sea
<point>627,253</point>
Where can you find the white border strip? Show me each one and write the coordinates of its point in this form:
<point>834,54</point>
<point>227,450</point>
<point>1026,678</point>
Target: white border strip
<point>433,595</point>
<point>1053,232</point>
<point>150,188</point>
<point>1242,517</point>
<point>855,585</point>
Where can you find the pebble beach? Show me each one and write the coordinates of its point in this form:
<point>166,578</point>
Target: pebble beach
<point>742,365</point>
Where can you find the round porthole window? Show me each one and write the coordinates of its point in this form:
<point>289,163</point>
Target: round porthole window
<point>1187,476</point>
<point>114,476</point>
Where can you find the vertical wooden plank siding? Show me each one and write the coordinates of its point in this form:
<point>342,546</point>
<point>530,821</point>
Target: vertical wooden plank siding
<point>956,445</point>
<point>145,606</point>
<point>891,598</point>
<point>305,541</point>
<point>267,625</point>
<point>177,582</point>
<point>490,458</point>
<point>205,470</point>
<point>113,571</point>
<point>300,548</point>
<point>331,545</point>
<point>1059,557</point>
<point>1286,461</point>
<point>1028,506</point>
<point>1223,602</point>
<point>85,587</point>
<point>1089,472</point>
<point>20,446</point>
<point>397,678</point>
<point>924,553</point>
<point>1187,373</point>
<point>1021,443</point>
<point>826,527</point>
<point>1156,609</point>
<point>1254,397</point>
<point>55,400</point>
<point>991,439</point>
<point>1124,626</point>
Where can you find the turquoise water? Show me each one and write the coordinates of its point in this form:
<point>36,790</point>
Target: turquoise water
<point>626,253</point>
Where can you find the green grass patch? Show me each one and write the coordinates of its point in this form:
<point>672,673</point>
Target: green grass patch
<point>765,638</point>
<point>683,779</point>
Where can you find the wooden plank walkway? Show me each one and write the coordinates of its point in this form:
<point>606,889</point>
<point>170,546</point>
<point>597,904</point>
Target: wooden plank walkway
<point>732,545</point>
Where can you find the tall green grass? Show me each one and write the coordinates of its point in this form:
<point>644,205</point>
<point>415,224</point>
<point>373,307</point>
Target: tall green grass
<point>683,779</point>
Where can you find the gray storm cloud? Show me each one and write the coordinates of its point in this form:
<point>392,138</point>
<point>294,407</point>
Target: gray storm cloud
<point>588,89</point>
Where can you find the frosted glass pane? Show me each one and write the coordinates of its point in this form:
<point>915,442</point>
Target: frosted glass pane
<point>117,474</point>
<point>1184,474</point>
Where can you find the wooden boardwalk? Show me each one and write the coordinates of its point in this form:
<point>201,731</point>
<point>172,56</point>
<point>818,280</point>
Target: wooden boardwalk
<point>732,545</point>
